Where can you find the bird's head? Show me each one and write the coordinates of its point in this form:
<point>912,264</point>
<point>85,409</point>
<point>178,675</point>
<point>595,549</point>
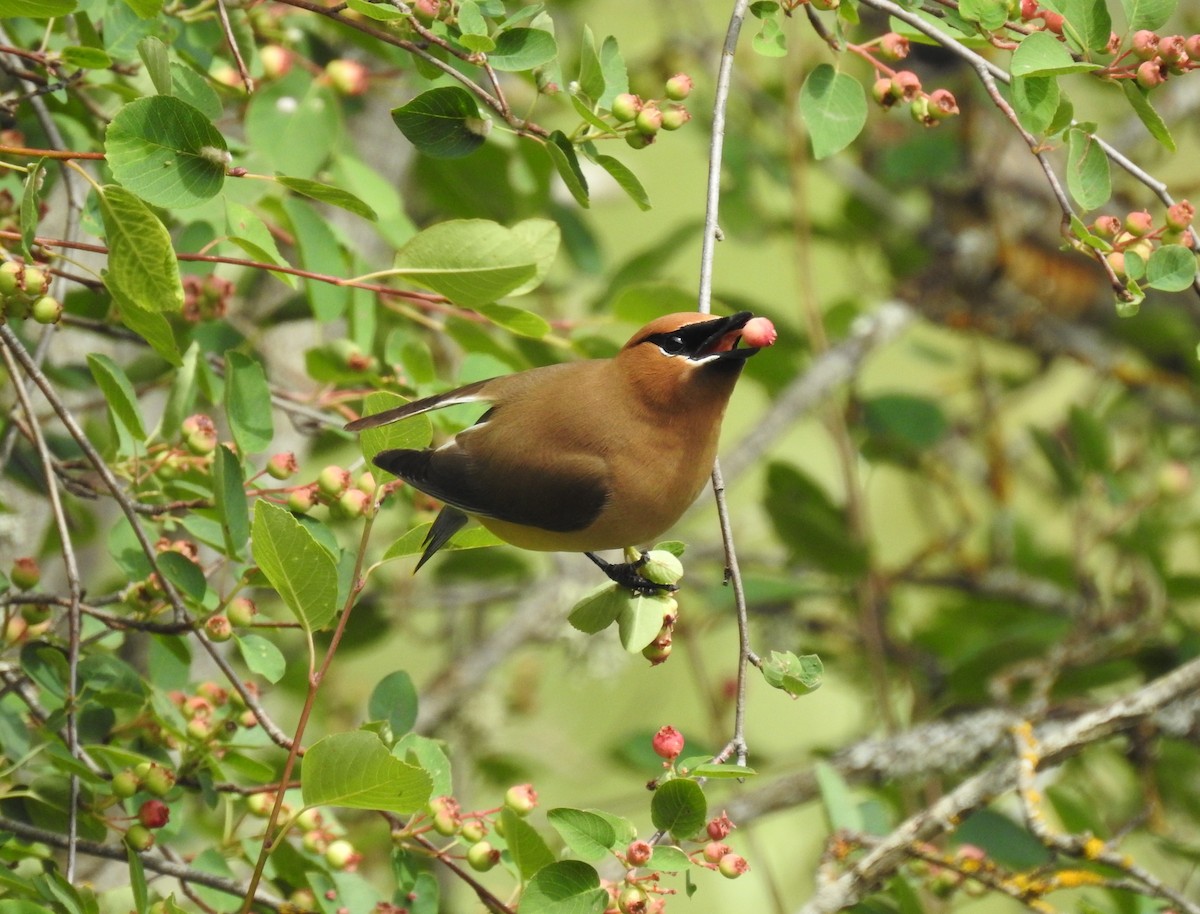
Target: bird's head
<point>693,352</point>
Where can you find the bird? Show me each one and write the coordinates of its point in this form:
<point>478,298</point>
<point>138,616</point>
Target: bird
<point>585,456</point>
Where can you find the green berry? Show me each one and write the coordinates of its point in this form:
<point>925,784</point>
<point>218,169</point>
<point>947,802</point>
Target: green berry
<point>34,281</point>
<point>139,837</point>
<point>481,856</point>
<point>521,799</point>
<point>625,107</point>
<point>333,481</point>
<point>125,783</point>
<point>679,87</point>
<point>10,278</point>
<point>25,573</point>
<point>46,310</point>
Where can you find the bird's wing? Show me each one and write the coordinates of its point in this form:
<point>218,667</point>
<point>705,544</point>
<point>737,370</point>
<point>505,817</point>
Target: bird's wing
<point>471,393</point>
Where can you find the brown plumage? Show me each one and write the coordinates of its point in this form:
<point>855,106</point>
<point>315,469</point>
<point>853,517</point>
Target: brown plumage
<point>584,456</point>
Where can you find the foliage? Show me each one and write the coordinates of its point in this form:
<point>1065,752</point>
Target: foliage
<point>229,228</point>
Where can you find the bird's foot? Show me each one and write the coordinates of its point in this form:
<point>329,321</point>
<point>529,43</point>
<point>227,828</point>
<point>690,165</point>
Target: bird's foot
<point>628,575</point>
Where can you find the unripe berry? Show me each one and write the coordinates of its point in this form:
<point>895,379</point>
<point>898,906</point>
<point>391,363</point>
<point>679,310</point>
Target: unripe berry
<point>894,46</point>
<point>25,573</point>
<point>715,850</point>
<point>139,838</point>
<point>1116,260</point>
<point>1107,226</point>
<point>906,85</point>
<point>1151,74</point>
<point>679,87</point>
<point>301,501</point>
<point>154,814</point>
<point>156,780</point>
<point>259,804</point>
<point>625,107</point>
<point>36,613</point>
<point>473,830</point>
<point>10,277</point>
<point>199,434</point>
<point>349,77</point>
<point>675,117</point>
<point>920,110</point>
<point>354,502</point>
<point>315,842</point>
<point>661,567</point>
<point>649,119</point>
<point>366,482</point>
<point>199,730</point>
<point>732,865</point>
<point>446,818</point>
<point>282,465</point>
<point>826,4</point>
<point>632,900</point>
<point>881,91</point>
<point>333,481</point>
<point>1171,49</point>
<point>427,10</point>
<point>481,856</point>
<point>1180,215</point>
<point>1145,44</point>
<point>303,900</point>
<point>125,783</point>
<point>276,60</point>
<point>942,104</point>
<point>658,650</point>
<point>340,854</point>
<point>521,799</point>
<point>667,743</point>
<point>1192,46</point>
<point>241,612</point>
<point>34,281</point>
<point>1139,223</point>
<point>218,628</point>
<point>46,310</point>
<point>637,140</point>
<point>638,853</point>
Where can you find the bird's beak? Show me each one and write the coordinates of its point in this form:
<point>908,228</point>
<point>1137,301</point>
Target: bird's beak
<point>719,338</point>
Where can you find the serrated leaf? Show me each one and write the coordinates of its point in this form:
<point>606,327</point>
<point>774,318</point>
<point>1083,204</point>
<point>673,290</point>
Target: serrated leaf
<point>527,847</point>
<point>191,87</point>
<point>302,572</point>
<point>1041,54</point>
<point>1171,268</point>
<point>591,77</point>
<point>142,268</point>
<point>229,489</point>
<point>589,836</point>
<point>166,151</point>
<point>150,326</point>
<point>472,262</point>
<point>522,49</point>
<point>990,14</point>
<point>249,233</point>
<point>566,163</point>
<point>641,619</point>
<point>542,237</point>
<point>1088,177</point>
<point>357,771</point>
<point>429,755</point>
<point>326,193</point>
<point>834,109</point>
<point>248,403</point>
<point>516,320</point>
<point>118,394</point>
<point>443,123</point>
<point>599,609</point>
<point>791,674</point>
<point>262,657</point>
<point>1147,14</point>
<point>564,887</point>
<point>679,807</point>
<point>1139,100</point>
<point>1089,22</point>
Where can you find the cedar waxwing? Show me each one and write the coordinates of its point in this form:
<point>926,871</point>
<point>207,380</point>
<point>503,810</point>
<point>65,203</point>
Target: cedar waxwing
<point>590,455</point>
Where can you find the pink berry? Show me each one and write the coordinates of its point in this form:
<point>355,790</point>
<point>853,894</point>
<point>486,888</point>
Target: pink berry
<point>906,85</point>
<point>715,850</point>
<point>881,91</point>
<point>1139,223</point>
<point>1192,46</point>
<point>759,332</point>
<point>276,61</point>
<point>354,502</point>
<point>1180,215</point>
<point>894,46</point>
<point>521,799</point>
<point>1145,44</point>
<point>1151,73</point>
<point>638,853</point>
<point>679,87</point>
<point>732,865</point>
<point>942,104</point>
<point>1054,21</point>
<point>1171,48</point>
<point>302,500</point>
<point>1107,226</point>
<point>667,743</point>
<point>282,465</point>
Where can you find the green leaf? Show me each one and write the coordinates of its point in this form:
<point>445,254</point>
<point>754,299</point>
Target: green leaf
<point>625,179</point>
<point>771,41</point>
<point>430,755</point>
<point>1041,54</point>
<point>1139,100</point>
<point>810,524</point>
<point>294,124</point>
<point>380,12</point>
<point>150,326</point>
<point>516,320</point>
<point>616,76</point>
<point>413,432</point>
<point>1090,439</point>
<point>591,76</point>
<point>185,574</point>
<point>37,9</point>
<point>157,58</point>
<point>523,49</point>
<point>679,807</point>
<point>118,394</point>
<point>137,881</point>
<point>191,87</point>
<point>86,58</point>
<point>326,193</point>
<point>229,488</point>
<point>564,887</point>
<point>670,858</point>
<point>566,163</point>
<point>1088,176</point>
<point>356,770</point>
<point>298,567</point>
<point>182,396</point>
<point>320,252</point>
<point>1056,456</point>
<point>1089,22</point>
<point>542,236</point>
<point>641,618</point>
<point>29,205</point>
<point>248,404</point>
<point>166,152</point>
<point>990,14</point>
<point>262,657</point>
<point>1147,14</point>
<point>795,675</point>
<point>833,107</point>
<point>527,847</point>
<point>250,233</point>
<point>394,699</point>
<point>588,835</point>
<point>472,262</point>
<point>843,812</point>
<point>142,268</point>
<point>715,772</point>
<point>443,123</point>
<point>1171,268</point>
<point>599,609</point>
<point>912,422</point>
<point>470,538</point>
<point>1035,99</point>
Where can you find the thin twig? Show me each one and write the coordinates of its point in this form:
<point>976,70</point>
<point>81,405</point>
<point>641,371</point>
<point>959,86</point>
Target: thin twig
<point>227,30</point>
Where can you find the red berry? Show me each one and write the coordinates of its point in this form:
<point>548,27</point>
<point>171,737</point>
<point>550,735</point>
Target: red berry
<point>759,332</point>
<point>1054,21</point>
<point>719,826</point>
<point>667,743</point>
<point>154,814</point>
<point>1029,10</point>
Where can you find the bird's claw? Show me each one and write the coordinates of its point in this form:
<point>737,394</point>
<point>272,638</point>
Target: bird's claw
<point>628,575</point>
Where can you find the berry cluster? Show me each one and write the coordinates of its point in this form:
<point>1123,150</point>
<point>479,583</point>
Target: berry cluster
<point>644,119</point>
<point>1163,56</point>
<point>903,87</point>
<point>336,488</point>
<point>33,620</point>
<point>1137,234</point>
<point>205,298</point>
<point>23,293</point>
<point>146,778</point>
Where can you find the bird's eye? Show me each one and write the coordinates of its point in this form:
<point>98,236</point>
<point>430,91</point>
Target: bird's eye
<point>671,344</point>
